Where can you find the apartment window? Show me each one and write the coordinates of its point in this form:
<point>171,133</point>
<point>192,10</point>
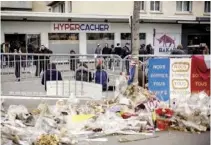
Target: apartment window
<point>184,6</point>
<point>207,6</point>
<point>59,8</point>
<point>155,6</point>
<point>70,6</point>
<point>142,7</point>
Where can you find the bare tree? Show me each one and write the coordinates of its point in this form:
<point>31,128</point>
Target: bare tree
<point>135,34</point>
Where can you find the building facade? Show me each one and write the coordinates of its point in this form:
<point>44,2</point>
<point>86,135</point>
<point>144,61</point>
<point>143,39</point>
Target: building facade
<point>73,25</point>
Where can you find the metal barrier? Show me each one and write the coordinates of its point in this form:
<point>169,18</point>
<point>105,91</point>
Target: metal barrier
<point>21,74</point>
<point>29,69</point>
<point>143,64</point>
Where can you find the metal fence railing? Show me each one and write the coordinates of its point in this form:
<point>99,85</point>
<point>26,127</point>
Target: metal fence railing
<point>32,74</point>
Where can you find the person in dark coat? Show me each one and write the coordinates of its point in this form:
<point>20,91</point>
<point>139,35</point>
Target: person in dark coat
<point>73,61</point>
<point>111,59</point>
<point>125,52</point>
<point>118,50</point>
<point>106,51</point>
<point>17,65</point>
<point>42,60</point>
<point>83,74</point>
<point>142,51</point>
<point>101,77</point>
<point>51,74</point>
<point>178,51</point>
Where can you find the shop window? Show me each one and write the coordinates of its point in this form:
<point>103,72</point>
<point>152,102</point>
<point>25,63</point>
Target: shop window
<point>207,6</point>
<point>63,36</point>
<point>142,7</point>
<point>33,40</point>
<point>155,6</point>
<point>100,36</point>
<point>184,6</point>
<point>127,36</point>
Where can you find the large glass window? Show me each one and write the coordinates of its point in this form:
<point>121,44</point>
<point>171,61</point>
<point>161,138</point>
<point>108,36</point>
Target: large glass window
<point>184,6</point>
<point>93,39</point>
<point>34,41</point>
<point>155,6</point>
<point>64,43</point>
<point>63,36</point>
<point>127,36</point>
<point>142,8</point>
<point>207,6</point>
<point>100,36</point>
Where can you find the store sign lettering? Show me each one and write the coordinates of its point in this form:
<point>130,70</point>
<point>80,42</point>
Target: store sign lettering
<point>80,27</point>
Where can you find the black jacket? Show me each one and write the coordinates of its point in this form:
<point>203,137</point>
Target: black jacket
<point>125,51</point>
<point>51,75</point>
<point>177,52</point>
<point>106,50</point>
<point>83,74</point>
<point>118,50</point>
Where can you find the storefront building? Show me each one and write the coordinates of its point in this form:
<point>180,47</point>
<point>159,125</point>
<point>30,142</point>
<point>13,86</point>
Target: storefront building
<point>82,33</point>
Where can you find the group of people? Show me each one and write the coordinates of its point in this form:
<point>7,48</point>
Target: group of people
<point>82,73</point>
<point>17,58</point>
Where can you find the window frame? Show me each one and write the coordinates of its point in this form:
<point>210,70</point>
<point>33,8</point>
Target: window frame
<point>182,8</point>
<point>144,6</point>
<point>59,6</point>
<point>67,36</point>
<point>160,6</point>
<point>205,6</point>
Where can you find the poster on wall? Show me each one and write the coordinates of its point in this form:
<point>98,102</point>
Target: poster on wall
<point>180,71</point>
<point>166,42</point>
<point>79,27</point>
<point>158,76</point>
<point>200,74</point>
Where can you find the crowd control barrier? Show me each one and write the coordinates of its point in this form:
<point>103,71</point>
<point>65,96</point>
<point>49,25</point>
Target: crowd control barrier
<point>22,75</point>
<point>169,76</point>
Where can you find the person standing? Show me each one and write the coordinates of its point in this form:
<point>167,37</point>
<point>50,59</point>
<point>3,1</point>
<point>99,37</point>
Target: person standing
<point>125,52</point>
<point>17,63</point>
<point>118,51</point>
<point>178,51</point>
<point>106,51</point>
<point>111,58</point>
<point>101,77</point>
<point>98,51</point>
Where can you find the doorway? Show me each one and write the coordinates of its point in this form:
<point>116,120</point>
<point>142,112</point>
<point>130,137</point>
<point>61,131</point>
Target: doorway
<point>16,40</point>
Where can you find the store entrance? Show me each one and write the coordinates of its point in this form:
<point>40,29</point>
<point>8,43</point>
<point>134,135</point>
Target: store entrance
<point>16,40</point>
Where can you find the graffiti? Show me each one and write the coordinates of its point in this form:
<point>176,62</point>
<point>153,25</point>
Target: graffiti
<point>165,40</point>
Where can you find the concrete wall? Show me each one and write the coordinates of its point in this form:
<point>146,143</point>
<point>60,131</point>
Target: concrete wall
<point>16,4</point>
<point>102,7</point>
<point>126,7</point>
<point>40,6</point>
